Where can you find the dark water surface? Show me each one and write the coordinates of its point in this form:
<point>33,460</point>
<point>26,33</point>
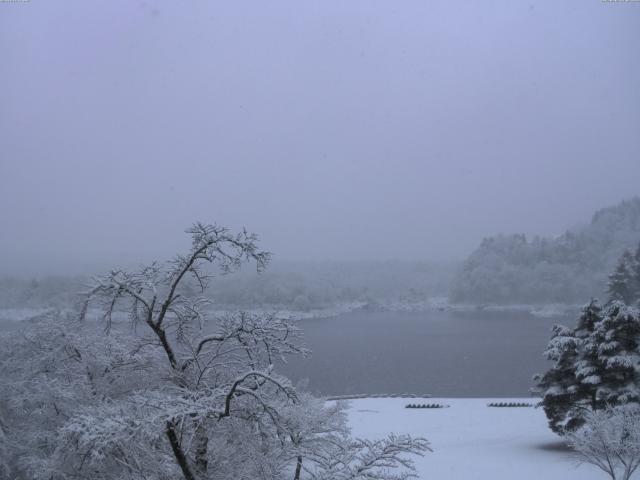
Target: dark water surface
<point>471,354</point>
<point>474,354</point>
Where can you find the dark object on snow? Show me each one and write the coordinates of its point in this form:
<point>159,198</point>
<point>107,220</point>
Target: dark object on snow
<point>426,405</point>
<point>509,404</point>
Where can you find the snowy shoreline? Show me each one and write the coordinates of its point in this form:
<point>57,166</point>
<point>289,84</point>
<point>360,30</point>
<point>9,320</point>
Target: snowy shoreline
<point>435,304</point>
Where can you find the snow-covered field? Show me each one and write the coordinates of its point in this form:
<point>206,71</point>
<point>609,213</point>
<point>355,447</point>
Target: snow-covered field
<point>472,441</point>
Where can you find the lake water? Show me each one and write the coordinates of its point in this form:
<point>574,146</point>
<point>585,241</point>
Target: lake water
<point>476,354</point>
<point>471,354</point>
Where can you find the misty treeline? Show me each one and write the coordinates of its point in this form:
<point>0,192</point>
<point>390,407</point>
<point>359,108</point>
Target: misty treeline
<point>505,269</point>
<point>510,269</point>
<point>168,392</point>
<point>299,286</point>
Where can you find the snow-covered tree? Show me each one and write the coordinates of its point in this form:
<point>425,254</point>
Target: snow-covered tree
<point>596,364</point>
<point>567,388</point>
<point>50,371</point>
<point>610,440</point>
<point>320,437</point>
<point>635,269</point>
<point>361,459</point>
<point>176,393</point>
<point>558,385</point>
<point>4,452</point>
<point>623,282</point>
<point>616,341</point>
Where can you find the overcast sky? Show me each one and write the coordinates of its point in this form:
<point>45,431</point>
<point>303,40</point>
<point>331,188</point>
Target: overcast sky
<point>334,129</point>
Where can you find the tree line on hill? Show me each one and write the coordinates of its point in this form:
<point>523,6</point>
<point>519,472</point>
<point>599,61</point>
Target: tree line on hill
<point>299,286</point>
<point>510,269</point>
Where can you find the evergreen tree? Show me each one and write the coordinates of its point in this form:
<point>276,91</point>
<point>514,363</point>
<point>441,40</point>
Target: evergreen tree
<point>597,363</point>
<point>621,286</point>
<point>617,339</point>
<point>569,386</point>
<point>636,275</point>
<point>558,384</point>
<point>587,365</point>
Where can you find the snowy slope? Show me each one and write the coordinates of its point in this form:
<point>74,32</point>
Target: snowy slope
<point>472,441</point>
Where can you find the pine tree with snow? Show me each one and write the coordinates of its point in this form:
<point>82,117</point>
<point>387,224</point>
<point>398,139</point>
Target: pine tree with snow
<point>617,339</point>
<point>558,384</point>
<point>568,387</point>
<point>588,366</point>
<point>622,281</point>
<point>636,275</point>
<point>597,365</point>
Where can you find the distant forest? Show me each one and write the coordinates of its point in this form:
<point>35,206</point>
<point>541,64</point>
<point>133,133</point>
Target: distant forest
<point>510,269</point>
<point>503,270</point>
<point>299,286</point>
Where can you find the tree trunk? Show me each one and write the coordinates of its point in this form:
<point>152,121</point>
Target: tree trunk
<point>181,458</point>
<point>298,469</point>
<point>201,441</point>
<point>162,336</point>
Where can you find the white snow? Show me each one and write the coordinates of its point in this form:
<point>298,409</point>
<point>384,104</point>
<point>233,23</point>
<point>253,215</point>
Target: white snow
<point>20,314</point>
<point>472,441</point>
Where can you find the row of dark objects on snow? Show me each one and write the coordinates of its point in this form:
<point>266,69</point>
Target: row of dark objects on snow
<point>420,405</point>
<point>494,404</point>
<point>426,405</point>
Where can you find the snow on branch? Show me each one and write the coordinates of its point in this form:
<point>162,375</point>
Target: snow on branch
<point>384,459</point>
<point>610,440</point>
<point>153,292</point>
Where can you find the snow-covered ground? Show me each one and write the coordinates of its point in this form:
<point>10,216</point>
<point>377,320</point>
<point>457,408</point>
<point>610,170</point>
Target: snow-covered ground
<point>20,314</point>
<point>472,441</point>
